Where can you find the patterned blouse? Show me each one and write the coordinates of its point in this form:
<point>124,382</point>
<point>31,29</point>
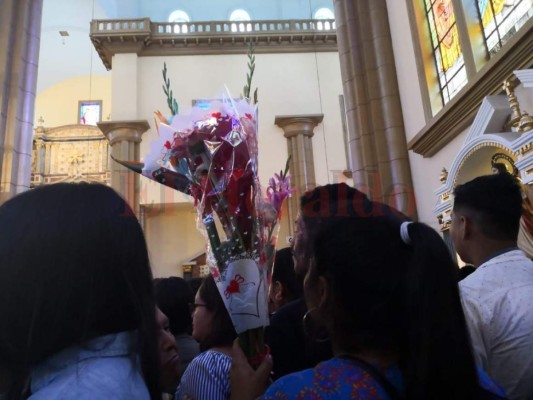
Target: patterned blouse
<point>338,379</point>
<point>206,378</point>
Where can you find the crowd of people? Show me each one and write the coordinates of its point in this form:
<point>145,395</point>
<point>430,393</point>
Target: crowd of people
<point>366,304</point>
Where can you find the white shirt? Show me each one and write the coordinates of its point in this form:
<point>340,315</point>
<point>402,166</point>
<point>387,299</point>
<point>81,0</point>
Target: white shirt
<point>102,368</point>
<point>498,305</point>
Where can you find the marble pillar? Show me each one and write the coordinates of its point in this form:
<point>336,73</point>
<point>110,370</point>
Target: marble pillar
<point>377,146</point>
<point>20,30</point>
<point>299,131</point>
<point>124,138</point>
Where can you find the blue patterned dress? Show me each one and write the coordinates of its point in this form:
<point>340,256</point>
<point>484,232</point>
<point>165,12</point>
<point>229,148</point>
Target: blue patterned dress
<point>339,378</point>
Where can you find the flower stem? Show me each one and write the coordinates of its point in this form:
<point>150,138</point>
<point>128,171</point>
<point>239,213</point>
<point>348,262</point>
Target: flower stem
<point>252,343</point>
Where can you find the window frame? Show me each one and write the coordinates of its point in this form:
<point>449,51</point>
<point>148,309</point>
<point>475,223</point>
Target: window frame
<point>485,74</point>
<point>82,104</point>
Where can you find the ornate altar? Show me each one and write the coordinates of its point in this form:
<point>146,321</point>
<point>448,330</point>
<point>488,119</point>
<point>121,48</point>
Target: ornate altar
<point>70,153</point>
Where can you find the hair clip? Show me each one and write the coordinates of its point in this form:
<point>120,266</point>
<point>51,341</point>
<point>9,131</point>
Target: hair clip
<point>404,233</point>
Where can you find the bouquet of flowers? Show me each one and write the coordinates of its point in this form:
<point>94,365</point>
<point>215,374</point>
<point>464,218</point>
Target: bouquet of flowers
<point>212,156</point>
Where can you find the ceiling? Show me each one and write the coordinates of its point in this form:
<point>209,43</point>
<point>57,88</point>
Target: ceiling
<point>62,58</point>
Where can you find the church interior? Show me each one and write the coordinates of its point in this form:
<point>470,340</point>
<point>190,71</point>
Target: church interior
<point>400,99</point>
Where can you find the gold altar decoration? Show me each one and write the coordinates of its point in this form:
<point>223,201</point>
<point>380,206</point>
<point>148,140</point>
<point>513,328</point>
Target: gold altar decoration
<point>70,153</point>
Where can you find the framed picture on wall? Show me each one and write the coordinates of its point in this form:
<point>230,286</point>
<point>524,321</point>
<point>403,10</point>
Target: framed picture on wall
<point>89,112</point>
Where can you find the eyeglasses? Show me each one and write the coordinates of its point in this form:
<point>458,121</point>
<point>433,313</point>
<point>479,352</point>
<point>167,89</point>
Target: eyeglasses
<point>194,306</point>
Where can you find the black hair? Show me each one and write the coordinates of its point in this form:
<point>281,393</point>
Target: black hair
<point>283,272</point>
<point>222,332</point>
<point>174,296</point>
<point>333,201</point>
<point>395,299</point>
<point>500,167</point>
<point>195,284</point>
<point>494,202</point>
<point>74,266</point>
<point>465,271</point>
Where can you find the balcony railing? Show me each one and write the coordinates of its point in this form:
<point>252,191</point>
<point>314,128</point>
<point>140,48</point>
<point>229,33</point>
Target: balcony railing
<point>144,25</point>
<point>145,37</point>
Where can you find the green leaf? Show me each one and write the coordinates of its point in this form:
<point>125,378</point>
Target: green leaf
<point>249,75</point>
<point>171,101</point>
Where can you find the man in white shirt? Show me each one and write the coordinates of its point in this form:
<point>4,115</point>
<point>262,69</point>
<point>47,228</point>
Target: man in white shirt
<point>498,297</point>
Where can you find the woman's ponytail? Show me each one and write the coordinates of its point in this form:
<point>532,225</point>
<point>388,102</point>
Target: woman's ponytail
<point>438,362</point>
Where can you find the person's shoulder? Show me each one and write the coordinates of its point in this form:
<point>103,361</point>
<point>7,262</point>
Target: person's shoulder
<point>294,310</point>
<point>214,356</point>
<point>210,361</point>
<point>289,385</point>
<point>119,376</point>
<point>100,377</point>
<point>334,378</point>
<point>206,377</point>
<point>499,274</point>
<point>514,258</point>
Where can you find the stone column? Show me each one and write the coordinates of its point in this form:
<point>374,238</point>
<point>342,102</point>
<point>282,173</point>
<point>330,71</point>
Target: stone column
<point>39,162</point>
<point>20,31</point>
<point>124,138</point>
<point>299,131</point>
<point>377,145</point>
<point>47,158</point>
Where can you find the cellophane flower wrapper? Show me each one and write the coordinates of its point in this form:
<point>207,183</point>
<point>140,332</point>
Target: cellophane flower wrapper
<point>212,155</point>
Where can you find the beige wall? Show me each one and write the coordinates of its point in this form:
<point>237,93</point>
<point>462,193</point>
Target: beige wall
<point>172,238</point>
<point>288,84</point>
<point>58,104</point>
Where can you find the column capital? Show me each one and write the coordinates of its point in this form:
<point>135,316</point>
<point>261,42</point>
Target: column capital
<point>118,131</point>
<point>294,125</point>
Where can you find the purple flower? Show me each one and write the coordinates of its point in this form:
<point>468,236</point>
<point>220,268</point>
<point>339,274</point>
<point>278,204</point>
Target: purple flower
<point>279,188</point>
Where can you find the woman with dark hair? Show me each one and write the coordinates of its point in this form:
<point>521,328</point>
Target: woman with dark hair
<point>292,349</point>
<point>76,300</point>
<point>207,376</point>
<point>174,296</point>
<point>386,291</point>
<point>284,286</point>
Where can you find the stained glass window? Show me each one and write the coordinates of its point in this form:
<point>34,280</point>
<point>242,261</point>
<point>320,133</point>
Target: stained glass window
<point>449,62</point>
<point>501,19</point>
<point>89,112</point>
